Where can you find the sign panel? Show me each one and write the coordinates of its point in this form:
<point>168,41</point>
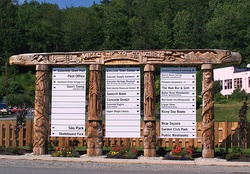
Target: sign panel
<point>123,102</point>
<point>178,103</point>
<point>68,102</point>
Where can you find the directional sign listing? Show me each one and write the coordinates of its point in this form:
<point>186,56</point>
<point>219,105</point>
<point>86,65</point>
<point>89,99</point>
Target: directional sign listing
<point>68,102</point>
<point>178,103</point>
<point>123,102</point>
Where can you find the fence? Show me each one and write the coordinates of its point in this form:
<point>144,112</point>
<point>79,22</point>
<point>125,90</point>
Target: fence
<point>226,135</point>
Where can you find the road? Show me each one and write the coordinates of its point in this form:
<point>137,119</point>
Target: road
<point>35,170</point>
<point>20,166</point>
<point>13,117</point>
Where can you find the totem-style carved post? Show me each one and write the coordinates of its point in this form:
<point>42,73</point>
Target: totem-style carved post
<point>41,119</point>
<point>208,111</point>
<point>94,131</point>
<point>149,130</point>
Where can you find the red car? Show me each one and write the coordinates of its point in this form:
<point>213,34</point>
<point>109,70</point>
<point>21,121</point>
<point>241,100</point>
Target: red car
<point>14,110</point>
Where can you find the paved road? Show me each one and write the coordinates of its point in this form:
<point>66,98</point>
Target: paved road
<point>34,170</point>
<point>58,170</point>
<point>20,166</point>
<point>13,117</point>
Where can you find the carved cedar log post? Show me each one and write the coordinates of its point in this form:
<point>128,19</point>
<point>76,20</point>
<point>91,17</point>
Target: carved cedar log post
<point>94,131</point>
<point>208,111</point>
<point>149,112</point>
<point>41,119</point>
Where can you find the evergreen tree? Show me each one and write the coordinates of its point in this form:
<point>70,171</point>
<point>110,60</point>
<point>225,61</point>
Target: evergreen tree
<point>243,125</point>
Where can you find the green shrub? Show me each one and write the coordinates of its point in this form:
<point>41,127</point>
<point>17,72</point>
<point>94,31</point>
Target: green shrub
<point>198,101</point>
<point>14,150</point>
<point>236,149</point>
<point>239,95</point>
<point>161,151</point>
<point>232,156</point>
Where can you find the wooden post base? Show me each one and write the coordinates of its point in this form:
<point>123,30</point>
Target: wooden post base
<point>94,152</point>
<point>149,152</point>
<point>208,153</point>
<point>39,151</point>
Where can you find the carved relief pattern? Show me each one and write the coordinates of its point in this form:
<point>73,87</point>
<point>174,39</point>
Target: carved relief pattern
<point>94,131</point>
<point>41,110</point>
<point>208,110</point>
<point>149,135</point>
<point>133,57</point>
<point>94,135</point>
<point>95,93</point>
<point>149,95</point>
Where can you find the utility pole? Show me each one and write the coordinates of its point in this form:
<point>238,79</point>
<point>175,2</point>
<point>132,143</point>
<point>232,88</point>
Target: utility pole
<point>6,83</point>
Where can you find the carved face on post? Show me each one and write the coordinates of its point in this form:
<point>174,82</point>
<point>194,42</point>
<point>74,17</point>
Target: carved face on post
<point>94,124</point>
<point>208,77</point>
<point>149,124</point>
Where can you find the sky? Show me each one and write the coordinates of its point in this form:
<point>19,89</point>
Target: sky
<point>67,3</point>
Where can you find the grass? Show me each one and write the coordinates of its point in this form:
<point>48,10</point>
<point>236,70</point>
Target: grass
<point>223,112</point>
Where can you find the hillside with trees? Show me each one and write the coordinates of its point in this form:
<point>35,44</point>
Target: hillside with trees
<point>114,25</point>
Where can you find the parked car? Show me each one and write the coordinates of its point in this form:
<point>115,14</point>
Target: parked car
<point>14,110</point>
<point>3,108</point>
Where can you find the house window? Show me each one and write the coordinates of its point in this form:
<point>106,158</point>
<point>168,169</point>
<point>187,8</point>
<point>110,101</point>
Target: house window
<point>228,84</point>
<point>249,82</point>
<point>238,83</point>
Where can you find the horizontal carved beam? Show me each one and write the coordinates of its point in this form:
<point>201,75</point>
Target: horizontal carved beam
<point>130,57</point>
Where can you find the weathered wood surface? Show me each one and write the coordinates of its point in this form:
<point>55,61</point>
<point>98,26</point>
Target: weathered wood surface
<point>208,111</point>
<point>130,57</point>
<point>41,118</point>
<point>149,131</point>
<point>95,137</point>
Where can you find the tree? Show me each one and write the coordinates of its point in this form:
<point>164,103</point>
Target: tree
<point>150,24</point>
<point>8,29</point>
<point>182,30</point>
<point>188,24</point>
<point>39,27</point>
<point>228,27</point>
<point>116,27</point>
<point>243,125</point>
<point>81,28</point>
<point>21,89</point>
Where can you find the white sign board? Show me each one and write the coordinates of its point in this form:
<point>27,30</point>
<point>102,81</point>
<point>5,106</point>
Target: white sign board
<point>178,103</point>
<point>68,102</point>
<point>123,102</point>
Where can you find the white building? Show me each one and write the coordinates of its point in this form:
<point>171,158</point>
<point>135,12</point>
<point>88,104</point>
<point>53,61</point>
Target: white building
<point>231,78</point>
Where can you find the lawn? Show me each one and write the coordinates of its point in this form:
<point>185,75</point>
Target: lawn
<point>223,112</point>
